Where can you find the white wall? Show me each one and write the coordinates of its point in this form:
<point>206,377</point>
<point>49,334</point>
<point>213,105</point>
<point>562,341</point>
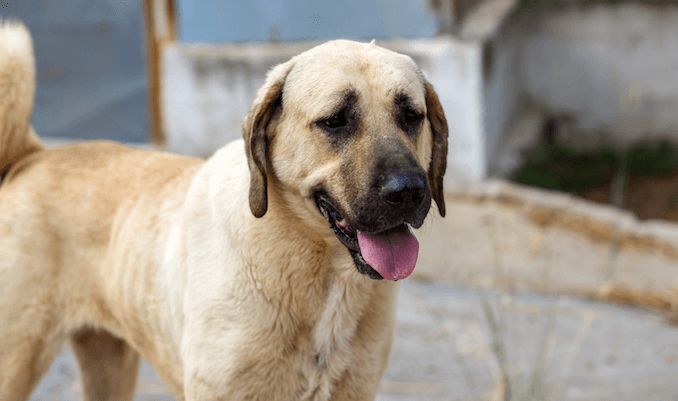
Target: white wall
<point>453,68</point>
<point>614,69</point>
<point>501,91</point>
<point>205,96</point>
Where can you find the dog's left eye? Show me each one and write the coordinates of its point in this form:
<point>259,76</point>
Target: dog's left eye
<point>336,121</point>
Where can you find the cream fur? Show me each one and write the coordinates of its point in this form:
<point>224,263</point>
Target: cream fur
<point>126,252</point>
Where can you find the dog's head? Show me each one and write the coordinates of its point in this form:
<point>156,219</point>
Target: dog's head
<point>354,132</point>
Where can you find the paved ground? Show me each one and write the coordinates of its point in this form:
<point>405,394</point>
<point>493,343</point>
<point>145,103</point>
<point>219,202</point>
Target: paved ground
<point>555,348</point>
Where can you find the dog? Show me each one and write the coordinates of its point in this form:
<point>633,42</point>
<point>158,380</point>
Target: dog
<point>266,272</point>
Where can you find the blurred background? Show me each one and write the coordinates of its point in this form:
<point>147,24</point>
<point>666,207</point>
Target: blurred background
<point>554,274</point>
<point>90,68</point>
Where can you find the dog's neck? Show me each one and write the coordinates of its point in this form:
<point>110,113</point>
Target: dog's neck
<point>310,262</point>
<point>303,275</point>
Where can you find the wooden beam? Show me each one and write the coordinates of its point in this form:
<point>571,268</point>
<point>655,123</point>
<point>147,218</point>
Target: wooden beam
<point>160,29</point>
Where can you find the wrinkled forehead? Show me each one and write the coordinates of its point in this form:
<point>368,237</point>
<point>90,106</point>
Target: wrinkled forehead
<point>322,77</point>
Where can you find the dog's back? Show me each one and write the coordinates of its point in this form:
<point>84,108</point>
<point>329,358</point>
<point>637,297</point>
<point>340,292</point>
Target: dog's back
<point>58,208</point>
<point>17,93</point>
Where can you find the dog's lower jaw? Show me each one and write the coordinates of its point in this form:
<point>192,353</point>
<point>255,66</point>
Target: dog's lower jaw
<point>363,267</point>
<point>347,238</point>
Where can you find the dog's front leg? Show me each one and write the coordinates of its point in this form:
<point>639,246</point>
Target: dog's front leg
<point>211,372</point>
<point>230,373</point>
<point>242,355</point>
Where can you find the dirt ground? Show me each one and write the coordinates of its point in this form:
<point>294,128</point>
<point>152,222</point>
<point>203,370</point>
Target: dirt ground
<point>647,197</point>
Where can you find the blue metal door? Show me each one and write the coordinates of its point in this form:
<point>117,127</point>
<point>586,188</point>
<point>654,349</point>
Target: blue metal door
<point>90,67</point>
<point>219,21</point>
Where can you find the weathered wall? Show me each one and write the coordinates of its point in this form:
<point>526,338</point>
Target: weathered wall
<point>453,68</point>
<point>612,68</point>
<point>206,92</point>
<point>501,90</point>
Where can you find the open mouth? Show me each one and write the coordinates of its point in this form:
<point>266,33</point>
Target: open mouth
<point>389,254</point>
<point>346,234</point>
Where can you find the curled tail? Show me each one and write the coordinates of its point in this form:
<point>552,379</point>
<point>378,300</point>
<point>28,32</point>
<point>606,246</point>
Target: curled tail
<point>17,94</point>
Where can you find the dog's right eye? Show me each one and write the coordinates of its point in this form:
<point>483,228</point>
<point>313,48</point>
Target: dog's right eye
<point>337,121</point>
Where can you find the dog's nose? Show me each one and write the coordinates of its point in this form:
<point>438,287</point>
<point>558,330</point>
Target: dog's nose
<point>404,191</point>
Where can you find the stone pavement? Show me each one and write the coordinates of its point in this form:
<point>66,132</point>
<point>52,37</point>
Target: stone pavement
<point>457,343</point>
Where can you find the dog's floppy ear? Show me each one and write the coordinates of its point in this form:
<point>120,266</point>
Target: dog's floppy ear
<point>254,126</point>
<point>436,170</point>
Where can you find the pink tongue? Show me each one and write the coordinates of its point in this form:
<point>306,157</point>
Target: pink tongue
<point>392,253</point>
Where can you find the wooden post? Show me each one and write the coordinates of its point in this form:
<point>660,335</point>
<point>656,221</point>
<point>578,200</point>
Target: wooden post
<point>159,28</point>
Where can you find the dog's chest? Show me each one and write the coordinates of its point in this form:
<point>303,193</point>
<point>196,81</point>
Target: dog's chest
<point>328,350</point>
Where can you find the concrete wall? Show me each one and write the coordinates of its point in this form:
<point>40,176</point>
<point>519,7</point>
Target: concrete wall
<point>207,91</point>
<point>612,68</point>
<point>453,68</point>
<point>501,90</point>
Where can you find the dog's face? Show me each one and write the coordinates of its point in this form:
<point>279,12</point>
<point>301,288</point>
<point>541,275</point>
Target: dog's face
<point>358,136</point>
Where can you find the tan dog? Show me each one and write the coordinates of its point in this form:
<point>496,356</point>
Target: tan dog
<point>225,275</point>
